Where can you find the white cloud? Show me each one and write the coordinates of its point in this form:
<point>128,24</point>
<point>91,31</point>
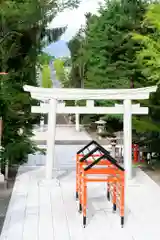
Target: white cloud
<point>75,18</point>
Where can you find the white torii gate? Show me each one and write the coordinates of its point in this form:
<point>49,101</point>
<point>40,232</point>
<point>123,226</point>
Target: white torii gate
<point>88,109</point>
<point>127,109</point>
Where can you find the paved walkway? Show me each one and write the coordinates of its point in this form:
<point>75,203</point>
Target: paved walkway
<point>68,141</point>
<point>61,119</point>
<point>41,210</point>
<point>63,133</point>
<point>64,136</point>
<point>65,157</point>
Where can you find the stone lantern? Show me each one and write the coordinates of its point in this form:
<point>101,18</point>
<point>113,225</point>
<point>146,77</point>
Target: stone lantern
<point>100,127</point>
<point>42,123</point>
<point>113,145</point>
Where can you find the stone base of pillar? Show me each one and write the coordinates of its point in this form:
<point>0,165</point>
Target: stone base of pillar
<point>78,129</point>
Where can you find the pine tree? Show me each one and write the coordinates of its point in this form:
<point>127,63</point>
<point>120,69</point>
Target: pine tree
<point>78,61</point>
<point>110,49</point>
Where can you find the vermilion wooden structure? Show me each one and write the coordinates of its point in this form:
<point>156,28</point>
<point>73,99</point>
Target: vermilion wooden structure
<point>98,166</point>
<point>135,149</point>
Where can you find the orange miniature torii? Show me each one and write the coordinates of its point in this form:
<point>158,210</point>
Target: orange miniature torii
<point>113,175</point>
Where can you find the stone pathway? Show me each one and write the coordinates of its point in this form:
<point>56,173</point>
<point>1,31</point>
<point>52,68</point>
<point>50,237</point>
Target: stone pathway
<point>64,133</point>
<point>6,191</point>
<point>41,209</point>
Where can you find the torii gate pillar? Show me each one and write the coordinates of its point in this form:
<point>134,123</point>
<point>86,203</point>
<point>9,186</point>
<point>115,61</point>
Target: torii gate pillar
<point>77,121</point>
<point>50,155</point>
<point>127,137</point>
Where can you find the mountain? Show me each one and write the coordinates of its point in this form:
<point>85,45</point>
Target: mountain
<point>57,49</point>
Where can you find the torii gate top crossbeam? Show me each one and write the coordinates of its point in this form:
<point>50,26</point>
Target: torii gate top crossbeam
<point>79,94</point>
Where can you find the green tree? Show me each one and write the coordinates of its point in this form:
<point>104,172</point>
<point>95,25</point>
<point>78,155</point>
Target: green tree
<point>149,55</point>
<point>46,76</point>
<point>61,75</point>
<point>110,50</point>
<point>23,34</point>
<point>104,53</point>
<point>76,46</point>
<point>44,58</point>
<point>148,58</point>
